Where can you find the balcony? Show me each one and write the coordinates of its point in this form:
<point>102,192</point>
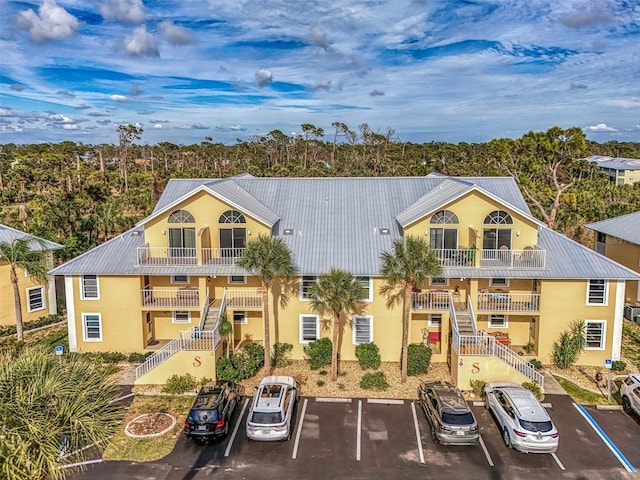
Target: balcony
<point>529,258</point>
<point>508,302</point>
<point>435,300</point>
<point>173,256</point>
<point>456,257</point>
<point>243,298</point>
<point>174,298</point>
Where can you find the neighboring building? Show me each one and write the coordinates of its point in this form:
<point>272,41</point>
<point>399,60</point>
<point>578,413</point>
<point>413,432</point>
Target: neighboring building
<point>37,299</point>
<point>621,170</point>
<point>619,239</point>
<point>505,273</point>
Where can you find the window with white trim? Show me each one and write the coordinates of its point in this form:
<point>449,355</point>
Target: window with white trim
<point>309,328</point>
<point>362,326</point>
<point>305,282</point>
<point>179,279</point>
<point>498,321</point>
<point>237,279</point>
<point>594,331</point>
<point>435,320</point>
<point>181,317</point>
<point>367,288</point>
<point>92,327</point>
<point>240,318</point>
<point>35,296</point>
<point>499,282</point>
<point>89,287</point>
<point>438,282</point>
<point>597,292</point>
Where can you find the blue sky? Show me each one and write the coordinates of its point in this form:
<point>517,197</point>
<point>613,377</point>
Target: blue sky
<point>447,71</point>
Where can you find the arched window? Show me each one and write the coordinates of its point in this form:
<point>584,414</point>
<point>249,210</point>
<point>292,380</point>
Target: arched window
<point>444,217</point>
<point>498,217</point>
<point>181,216</point>
<point>232,216</point>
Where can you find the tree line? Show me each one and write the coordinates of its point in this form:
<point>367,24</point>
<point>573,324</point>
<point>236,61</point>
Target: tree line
<point>80,195</point>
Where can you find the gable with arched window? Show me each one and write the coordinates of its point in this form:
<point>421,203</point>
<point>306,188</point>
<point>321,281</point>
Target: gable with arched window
<point>444,238</point>
<point>497,232</point>
<point>233,240</point>
<point>182,240</point>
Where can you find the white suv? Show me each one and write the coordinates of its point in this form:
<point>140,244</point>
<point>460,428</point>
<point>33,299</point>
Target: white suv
<point>271,414</point>
<point>525,424</point>
<point>630,393</point>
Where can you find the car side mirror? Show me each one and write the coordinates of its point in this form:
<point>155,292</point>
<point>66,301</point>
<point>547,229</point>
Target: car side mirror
<point>255,389</point>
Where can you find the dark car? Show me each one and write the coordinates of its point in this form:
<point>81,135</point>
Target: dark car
<point>211,411</point>
<point>450,418</point>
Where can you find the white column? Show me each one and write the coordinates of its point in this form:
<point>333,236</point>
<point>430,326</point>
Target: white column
<point>616,341</point>
<point>71,313</point>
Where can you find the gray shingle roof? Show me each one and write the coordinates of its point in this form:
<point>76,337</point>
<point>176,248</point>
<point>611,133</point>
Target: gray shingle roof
<point>337,222</point>
<point>8,235</point>
<point>625,227</point>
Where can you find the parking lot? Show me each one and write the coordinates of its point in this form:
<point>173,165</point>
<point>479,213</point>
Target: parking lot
<point>357,439</point>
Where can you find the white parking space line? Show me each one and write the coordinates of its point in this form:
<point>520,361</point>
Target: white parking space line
<point>418,436</point>
<point>486,452</point>
<point>555,457</point>
<point>385,401</point>
<point>235,430</point>
<point>79,464</point>
<point>295,445</point>
<point>359,431</point>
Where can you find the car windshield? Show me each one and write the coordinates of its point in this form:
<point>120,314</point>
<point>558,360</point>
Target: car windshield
<point>536,426</point>
<point>266,418</point>
<point>204,415</point>
<point>457,418</point>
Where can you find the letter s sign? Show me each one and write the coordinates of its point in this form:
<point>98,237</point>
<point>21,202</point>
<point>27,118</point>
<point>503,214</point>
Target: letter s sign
<point>196,361</point>
<point>475,367</point>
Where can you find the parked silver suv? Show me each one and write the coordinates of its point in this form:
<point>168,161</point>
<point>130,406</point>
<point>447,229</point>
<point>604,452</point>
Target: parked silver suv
<point>271,414</point>
<point>450,419</point>
<point>630,393</point>
<point>525,424</point>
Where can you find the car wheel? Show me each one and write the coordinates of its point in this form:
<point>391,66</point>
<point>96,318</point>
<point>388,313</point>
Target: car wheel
<point>434,435</point>
<point>506,438</point>
<point>486,400</point>
<point>626,405</point>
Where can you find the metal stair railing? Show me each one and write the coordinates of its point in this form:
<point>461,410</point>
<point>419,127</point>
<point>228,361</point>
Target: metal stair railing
<point>205,312</point>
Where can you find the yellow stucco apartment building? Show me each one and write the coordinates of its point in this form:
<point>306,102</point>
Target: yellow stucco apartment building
<point>509,286</point>
<point>37,299</point>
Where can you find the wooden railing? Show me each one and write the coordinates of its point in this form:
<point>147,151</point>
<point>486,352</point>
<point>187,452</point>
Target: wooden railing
<point>509,302</point>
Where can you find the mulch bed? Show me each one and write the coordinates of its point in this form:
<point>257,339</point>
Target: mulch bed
<point>150,424</point>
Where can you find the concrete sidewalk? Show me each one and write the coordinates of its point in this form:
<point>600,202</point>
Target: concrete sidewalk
<point>551,385</point>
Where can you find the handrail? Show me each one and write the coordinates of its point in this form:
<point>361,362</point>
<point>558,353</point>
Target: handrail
<point>472,316</point>
<point>205,312</point>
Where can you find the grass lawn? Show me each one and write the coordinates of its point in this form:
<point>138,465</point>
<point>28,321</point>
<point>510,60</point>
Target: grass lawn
<point>631,342</point>
<point>586,397</point>
<point>122,447</point>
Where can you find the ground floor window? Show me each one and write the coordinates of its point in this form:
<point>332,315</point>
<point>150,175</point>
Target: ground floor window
<point>498,321</point>
<point>309,328</point>
<point>35,297</point>
<point>362,329</point>
<point>595,333</point>
<point>92,327</point>
<point>435,320</point>
<point>181,317</point>
<point>240,318</point>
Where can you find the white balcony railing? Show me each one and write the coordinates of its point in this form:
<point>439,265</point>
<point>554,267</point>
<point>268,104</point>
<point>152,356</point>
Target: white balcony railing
<point>509,302</point>
<point>221,256</point>
<point>167,256</point>
<point>504,258</point>
<point>176,298</point>
<point>430,300</point>
<point>456,257</point>
<point>243,298</point>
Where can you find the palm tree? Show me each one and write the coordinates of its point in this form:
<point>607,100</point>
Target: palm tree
<point>27,254</point>
<point>337,293</point>
<point>409,264</point>
<point>269,258</point>
<point>225,329</point>
<point>51,408</point>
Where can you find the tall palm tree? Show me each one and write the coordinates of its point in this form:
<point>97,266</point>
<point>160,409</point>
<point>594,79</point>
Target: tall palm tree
<point>51,408</point>
<point>269,258</point>
<point>337,293</point>
<point>27,254</point>
<point>409,264</point>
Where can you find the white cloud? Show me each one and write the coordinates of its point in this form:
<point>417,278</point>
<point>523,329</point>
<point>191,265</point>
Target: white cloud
<point>263,77</point>
<point>318,37</point>
<point>118,98</point>
<point>157,125</point>
<point>322,85</point>
<point>175,34</point>
<point>194,126</point>
<point>128,11</point>
<point>6,112</point>
<point>141,44</point>
<point>52,22</point>
<point>601,127</point>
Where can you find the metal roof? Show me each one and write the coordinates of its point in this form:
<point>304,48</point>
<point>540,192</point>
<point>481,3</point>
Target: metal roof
<point>340,222</point>
<point>8,235</point>
<point>625,227</point>
<point>616,163</point>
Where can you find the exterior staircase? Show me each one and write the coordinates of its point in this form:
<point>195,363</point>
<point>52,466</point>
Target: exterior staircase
<point>210,319</point>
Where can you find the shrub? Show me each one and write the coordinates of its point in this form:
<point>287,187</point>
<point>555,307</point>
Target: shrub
<point>7,330</point>
<point>418,359</point>
<point>323,372</point>
<point>618,365</point>
<point>477,387</point>
<point>320,383</point>
<point>535,363</point>
<point>318,353</point>
<point>373,380</point>
<point>109,357</point>
<point>567,348</point>
<point>137,357</point>
<point>281,354</point>
<point>535,388</point>
<point>177,384</point>
<point>241,365</point>
<point>205,381</point>
<point>368,355</point>
<point>255,356</point>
